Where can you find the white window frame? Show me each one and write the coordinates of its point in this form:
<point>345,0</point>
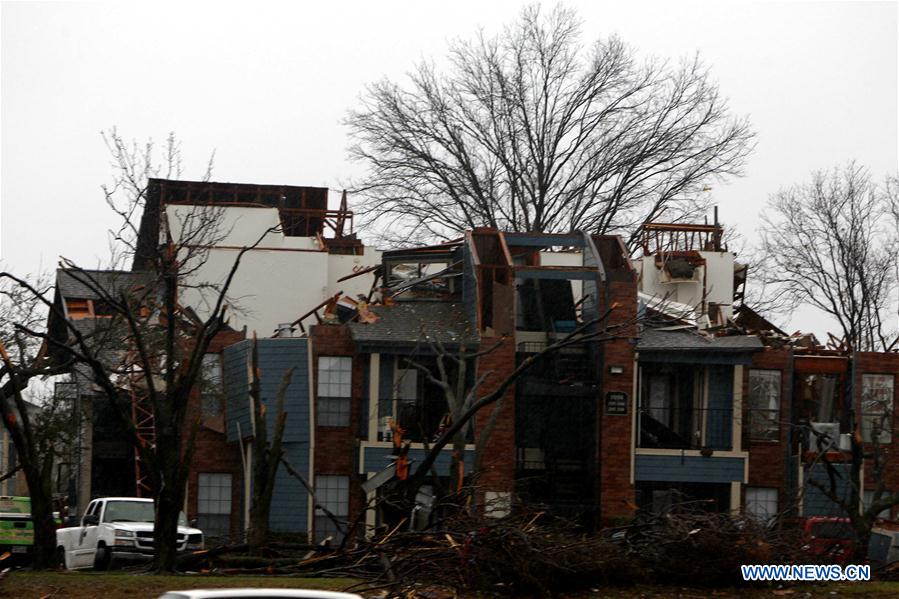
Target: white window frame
<point>214,492</point>
<point>770,414</point>
<point>762,503</point>
<point>878,396</point>
<point>332,492</point>
<point>334,391</point>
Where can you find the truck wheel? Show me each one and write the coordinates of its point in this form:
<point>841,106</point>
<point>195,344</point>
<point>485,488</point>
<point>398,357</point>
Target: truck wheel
<point>61,558</point>
<point>103,557</point>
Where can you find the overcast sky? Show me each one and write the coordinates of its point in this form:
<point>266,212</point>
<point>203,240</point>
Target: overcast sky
<point>267,87</point>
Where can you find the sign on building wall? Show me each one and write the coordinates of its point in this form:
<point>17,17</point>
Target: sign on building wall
<point>616,403</point>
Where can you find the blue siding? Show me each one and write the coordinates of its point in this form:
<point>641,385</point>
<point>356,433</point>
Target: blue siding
<point>276,357</point>
<point>719,424</point>
<point>290,501</point>
<point>815,503</point>
<point>376,459</point>
<point>237,389</point>
<point>688,469</point>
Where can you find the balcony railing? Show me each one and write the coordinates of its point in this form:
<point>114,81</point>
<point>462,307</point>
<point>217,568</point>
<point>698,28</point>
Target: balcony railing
<point>422,421</point>
<point>686,428</point>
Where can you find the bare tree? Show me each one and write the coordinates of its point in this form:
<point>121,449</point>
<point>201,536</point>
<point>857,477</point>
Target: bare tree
<point>530,131</point>
<point>156,343</point>
<point>832,244</point>
<point>38,429</point>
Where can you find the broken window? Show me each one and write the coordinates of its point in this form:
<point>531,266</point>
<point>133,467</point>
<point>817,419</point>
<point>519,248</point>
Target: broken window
<point>78,308</point>
<point>416,405</point>
<point>670,414</point>
<point>546,305</point>
<point>211,390</point>
<point>877,407</point>
<point>764,405</point>
<point>422,278</point>
<point>820,397</point>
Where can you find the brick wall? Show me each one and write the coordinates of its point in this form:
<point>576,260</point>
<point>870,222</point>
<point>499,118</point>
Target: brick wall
<point>616,493</point>
<point>880,363</point>
<point>497,472</point>
<point>336,448</point>
<point>768,460</point>
<point>212,453</point>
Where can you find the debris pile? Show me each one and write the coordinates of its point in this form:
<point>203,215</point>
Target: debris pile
<point>536,554</point>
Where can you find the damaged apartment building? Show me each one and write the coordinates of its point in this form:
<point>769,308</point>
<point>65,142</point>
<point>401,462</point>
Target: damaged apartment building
<point>687,393</point>
<point>300,247</point>
<point>732,409</point>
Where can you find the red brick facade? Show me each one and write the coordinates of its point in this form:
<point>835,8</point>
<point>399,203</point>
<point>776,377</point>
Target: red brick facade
<point>336,449</point>
<point>769,459</point>
<point>616,492</point>
<point>212,453</point>
<point>497,472</point>
<point>880,363</point>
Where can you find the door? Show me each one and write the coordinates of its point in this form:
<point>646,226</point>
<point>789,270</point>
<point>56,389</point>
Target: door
<point>85,544</point>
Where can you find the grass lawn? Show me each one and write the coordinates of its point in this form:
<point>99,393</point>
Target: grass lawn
<point>107,585</point>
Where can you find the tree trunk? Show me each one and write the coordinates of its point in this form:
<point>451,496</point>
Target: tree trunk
<point>44,556</point>
<point>169,502</point>
<point>259,522</point>
<point>457,476</point>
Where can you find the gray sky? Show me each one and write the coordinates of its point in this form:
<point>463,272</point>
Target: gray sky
<point>267,87</point>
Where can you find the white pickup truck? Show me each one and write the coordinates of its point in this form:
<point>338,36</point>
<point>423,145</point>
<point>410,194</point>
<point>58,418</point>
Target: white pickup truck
<point>117,529</point>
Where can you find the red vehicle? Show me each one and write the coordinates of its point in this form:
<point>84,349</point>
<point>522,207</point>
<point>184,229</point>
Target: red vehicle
<point>830,540</point>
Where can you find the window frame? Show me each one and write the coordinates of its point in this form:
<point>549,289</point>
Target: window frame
<point>217,393</point>
<point>753,411</point>
<point>886,435</point>
<point>339,506</point>
<point>219,502</point>
<point>766,502</point>
<point>333,411</point>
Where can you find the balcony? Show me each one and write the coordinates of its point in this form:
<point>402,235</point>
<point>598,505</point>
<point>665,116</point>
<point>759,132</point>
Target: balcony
<point>421,420</point>
<point>685,428</point>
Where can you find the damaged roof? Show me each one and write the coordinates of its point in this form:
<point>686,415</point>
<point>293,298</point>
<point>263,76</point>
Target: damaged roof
<point>689,340</point>
<point>408,323</point>
<point>75,284</point>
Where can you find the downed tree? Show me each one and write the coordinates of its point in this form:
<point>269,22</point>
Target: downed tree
<point>532,552</point>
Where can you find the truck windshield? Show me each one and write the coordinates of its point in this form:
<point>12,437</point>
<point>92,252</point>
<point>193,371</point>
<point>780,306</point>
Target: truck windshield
<point>134,511</point>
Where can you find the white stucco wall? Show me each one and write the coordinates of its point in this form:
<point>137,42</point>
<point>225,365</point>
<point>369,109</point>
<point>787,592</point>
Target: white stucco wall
<point>720,279</point>
<point>715,281</point>
<point>279,280</point>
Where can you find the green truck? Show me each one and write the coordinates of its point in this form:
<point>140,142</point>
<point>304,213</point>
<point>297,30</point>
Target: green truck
<point>16,529</point>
